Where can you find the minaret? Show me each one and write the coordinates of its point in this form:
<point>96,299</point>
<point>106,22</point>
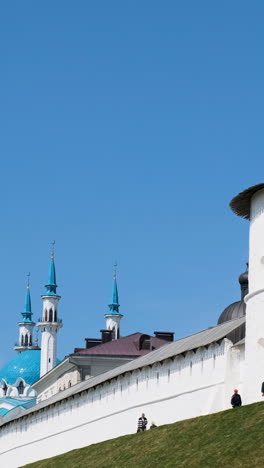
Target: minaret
<point>113,317</point>
<point>26,326</point>
<point>250,205</point>
<point>50,323</point>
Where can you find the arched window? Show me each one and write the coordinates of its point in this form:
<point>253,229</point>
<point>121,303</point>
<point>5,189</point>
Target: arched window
<point>30,340</point>
<point>22,340</point>
<point>4,387</point>
<point>46,315</point>
<point>20,388</point>
<point>26,340</point>
<point>55,315</point>
<point>50,315</point>
<point>69,383</point>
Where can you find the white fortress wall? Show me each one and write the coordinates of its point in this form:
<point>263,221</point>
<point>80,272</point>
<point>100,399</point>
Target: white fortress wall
<point>181,387</point>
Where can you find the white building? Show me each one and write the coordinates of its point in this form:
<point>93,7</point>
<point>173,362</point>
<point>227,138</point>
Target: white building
<point>186,378</point>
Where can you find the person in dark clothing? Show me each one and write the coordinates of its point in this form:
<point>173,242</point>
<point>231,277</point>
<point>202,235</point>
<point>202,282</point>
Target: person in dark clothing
<point>142,423</point>
<point>236,399</point>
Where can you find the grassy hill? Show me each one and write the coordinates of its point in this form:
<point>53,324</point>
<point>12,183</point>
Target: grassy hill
<point>232,438</point>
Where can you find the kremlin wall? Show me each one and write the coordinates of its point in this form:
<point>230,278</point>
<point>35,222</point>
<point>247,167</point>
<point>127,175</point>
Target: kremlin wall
<point>189,377</point>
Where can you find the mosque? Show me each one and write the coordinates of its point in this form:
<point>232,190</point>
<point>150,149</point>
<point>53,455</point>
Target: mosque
<point>36,374</point>
<point>21,372</point>
<point>181,379</point>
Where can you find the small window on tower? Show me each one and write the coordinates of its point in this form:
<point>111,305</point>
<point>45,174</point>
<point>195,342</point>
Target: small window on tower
<point>50,315</point>
<point>4,387</point>
<point>49,359</point>
<point>20,388</point>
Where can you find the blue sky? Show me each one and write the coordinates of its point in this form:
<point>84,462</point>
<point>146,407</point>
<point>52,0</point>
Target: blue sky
<point>125,130</point>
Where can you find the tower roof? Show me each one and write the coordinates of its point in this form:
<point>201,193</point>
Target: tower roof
<point>114,305</point>
<point>27,313</point>
<point>241,203</point>
<point>52,273</point>
<point>51,286</point>
<point>236,310</point>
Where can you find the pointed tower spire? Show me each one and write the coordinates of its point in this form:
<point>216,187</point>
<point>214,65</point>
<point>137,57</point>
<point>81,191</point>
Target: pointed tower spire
<point>114,306</point>
<point>26,326</point>
<point>52,286</point>
<point>27,314</point>
<point>113,317</point>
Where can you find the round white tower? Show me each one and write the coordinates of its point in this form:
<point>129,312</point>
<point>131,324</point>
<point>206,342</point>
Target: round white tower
<point>250,205</point>
<point>26,326</point>
<point>113,317</point>
<point>50,323</point>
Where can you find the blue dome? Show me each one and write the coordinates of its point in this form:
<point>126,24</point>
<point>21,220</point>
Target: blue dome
<point>25,365</point>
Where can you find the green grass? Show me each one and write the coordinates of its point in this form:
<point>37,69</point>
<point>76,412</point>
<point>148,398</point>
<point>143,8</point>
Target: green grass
<point>232,438</point>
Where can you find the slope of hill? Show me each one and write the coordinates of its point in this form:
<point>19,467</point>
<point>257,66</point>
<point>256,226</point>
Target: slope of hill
<point>231,438</point>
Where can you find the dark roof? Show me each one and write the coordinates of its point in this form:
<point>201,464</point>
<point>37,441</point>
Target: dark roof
<point>130,345</point>
<point>233,311</point>
<point>241,203</point>
<point>236,310</point>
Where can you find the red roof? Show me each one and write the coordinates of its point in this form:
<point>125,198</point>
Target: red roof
<point>130,345</point>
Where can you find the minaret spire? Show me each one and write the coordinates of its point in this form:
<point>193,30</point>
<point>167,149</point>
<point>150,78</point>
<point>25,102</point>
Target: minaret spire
<point>27,308</point>
<point>114,306</point>
<point>26,326</point>
<point>50,323</point>
<point>113,317</point>
<point>52,286</point>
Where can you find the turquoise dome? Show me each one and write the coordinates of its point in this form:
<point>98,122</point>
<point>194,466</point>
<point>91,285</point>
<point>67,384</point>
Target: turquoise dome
<point>25,365</point>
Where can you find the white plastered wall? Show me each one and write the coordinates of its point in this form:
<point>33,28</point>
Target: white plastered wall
<point>179,388</point>
<point>49,334</point>
<point>254,342</point>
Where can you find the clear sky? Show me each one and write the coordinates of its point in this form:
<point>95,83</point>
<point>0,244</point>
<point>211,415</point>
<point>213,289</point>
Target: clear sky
<point>125,130</point>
